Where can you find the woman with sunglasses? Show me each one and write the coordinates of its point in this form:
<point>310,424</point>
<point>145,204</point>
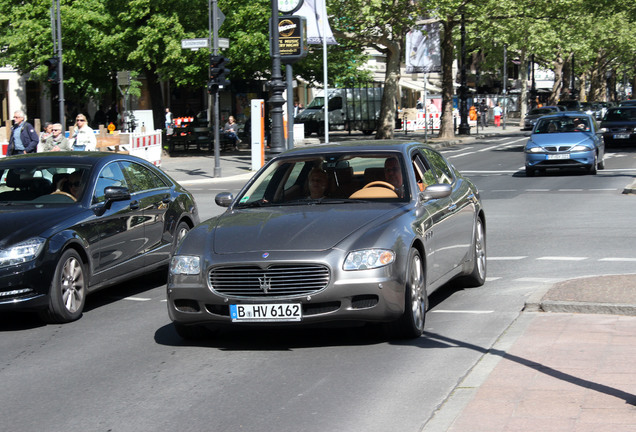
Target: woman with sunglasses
<point>84,138</point>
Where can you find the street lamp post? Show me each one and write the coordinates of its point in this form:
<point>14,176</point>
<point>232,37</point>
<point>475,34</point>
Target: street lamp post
<point>533,88</point>
<point>277,86</point>
<point>464,127</point>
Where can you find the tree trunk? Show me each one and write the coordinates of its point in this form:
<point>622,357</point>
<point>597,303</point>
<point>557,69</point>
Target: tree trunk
<point>558,80</point>
<point>388,110</point>
<point>523,77</point>
<point>583,83</point>
<point>447,129</point>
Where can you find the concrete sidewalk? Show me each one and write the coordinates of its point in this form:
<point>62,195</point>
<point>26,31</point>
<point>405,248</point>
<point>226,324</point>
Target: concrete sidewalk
<point>571,369</point>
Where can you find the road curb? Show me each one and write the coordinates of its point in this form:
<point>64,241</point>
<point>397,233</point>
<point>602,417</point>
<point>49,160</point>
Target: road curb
<point>631,189</point>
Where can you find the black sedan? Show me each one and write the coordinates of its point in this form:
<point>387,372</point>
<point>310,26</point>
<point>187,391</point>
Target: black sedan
<point>619,125</point>
<point>352,232</point>
<point>74,222</point>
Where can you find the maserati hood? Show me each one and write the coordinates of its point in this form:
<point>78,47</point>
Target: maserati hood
<point>314,227</point>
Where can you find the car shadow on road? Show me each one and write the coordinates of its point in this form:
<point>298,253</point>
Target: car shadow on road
<point>288,337</point>
<point>126,289</point>
<point>24,320</point>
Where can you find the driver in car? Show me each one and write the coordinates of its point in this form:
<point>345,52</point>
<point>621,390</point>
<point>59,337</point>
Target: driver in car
<point>393,175</point>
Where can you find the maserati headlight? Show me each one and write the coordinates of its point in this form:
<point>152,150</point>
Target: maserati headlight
<point>184,264</point>
<point>368,259</point>
<point>22,252</point>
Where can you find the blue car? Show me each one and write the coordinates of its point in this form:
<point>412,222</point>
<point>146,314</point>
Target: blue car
<point>567,140</point>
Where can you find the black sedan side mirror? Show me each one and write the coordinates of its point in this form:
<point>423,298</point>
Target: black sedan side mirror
<point>116,193</point>
<point>224,199</point>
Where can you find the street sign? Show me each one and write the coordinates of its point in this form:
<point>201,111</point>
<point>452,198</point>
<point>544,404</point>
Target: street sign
<point>224,43</point>
<point>194,44</point>
<point>123,78</point>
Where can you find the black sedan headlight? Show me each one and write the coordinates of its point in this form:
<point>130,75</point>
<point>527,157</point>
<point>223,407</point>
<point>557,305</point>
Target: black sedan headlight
<point>22,252</point>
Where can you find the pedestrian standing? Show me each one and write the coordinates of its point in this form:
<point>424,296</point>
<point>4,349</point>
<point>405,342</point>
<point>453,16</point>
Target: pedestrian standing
<point>483,113</point>
<point>24,139</point>
<point>84,137</point>
<point>48,126</point>
<point>496,111</point>
<point>168,119</point>
<point>57,141</point>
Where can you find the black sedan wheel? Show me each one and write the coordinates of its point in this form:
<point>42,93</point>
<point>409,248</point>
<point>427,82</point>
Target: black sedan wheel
<point>179,234</point>
<point>411,324</point>
<point>68,289</point>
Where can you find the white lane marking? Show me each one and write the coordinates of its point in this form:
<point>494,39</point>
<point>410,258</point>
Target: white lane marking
<point>508,144</point>
<point>139,299</point>
<point>506,258</point>
<point>491,279</point>
<point>561,258</point>
<point>477,312</point>
<point>537,280</point>
<point>618,259</point>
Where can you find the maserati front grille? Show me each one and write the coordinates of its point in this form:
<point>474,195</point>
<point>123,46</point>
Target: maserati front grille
<point>272,281</point>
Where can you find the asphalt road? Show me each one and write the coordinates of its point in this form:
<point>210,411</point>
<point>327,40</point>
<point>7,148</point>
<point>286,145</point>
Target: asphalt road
<point>123,368</point>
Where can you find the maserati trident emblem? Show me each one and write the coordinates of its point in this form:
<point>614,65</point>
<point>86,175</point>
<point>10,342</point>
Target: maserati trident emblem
<point>265,283</point>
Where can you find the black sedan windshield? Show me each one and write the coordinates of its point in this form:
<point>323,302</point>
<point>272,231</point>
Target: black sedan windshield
<point>42,183</point>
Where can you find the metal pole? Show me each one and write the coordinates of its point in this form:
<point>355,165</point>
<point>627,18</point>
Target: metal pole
<point>60,70</point>
<point>464,127</point>
<point>425,112</point>
<point>325,76</point>
<point>290,106</point>
<point>277,86</point>
<point>505,85</point>
<point>217,135</point>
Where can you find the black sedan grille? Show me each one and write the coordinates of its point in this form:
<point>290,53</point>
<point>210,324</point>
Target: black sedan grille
<point>273,281</point>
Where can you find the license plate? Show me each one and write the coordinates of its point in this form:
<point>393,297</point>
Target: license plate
<point>558,156</point>
<point>266,312</point>
<point>621,136</point>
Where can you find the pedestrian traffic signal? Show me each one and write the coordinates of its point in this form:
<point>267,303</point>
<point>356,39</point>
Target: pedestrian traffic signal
<point>52,65</point>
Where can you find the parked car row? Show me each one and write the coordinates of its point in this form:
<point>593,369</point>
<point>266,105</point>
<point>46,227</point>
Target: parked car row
<point>595,109</point>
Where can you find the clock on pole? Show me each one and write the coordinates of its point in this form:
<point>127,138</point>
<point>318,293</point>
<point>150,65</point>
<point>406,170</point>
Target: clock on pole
<point>289,6</point>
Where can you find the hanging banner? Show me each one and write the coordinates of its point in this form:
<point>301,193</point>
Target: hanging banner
<point>315,11</point>
<point>423,54</point>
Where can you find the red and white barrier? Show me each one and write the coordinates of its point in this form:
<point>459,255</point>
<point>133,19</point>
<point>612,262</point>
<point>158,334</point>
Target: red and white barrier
<point>433,123</point>
<point>147,146</point>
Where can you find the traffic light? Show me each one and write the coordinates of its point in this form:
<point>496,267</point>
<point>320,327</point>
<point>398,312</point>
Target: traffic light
<point>52,65</point>
<point>218,72</point>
